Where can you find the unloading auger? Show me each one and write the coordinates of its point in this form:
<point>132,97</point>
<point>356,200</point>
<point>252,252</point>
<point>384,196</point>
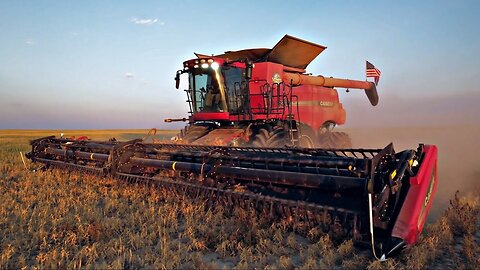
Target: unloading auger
<point>371,195</point>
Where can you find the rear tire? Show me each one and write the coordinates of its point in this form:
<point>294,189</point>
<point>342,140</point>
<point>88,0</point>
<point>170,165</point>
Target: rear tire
<point>335,140</point>
<point>307,137</point>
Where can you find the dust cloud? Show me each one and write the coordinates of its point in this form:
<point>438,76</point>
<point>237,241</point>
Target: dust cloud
<point>458,152</point>
<point>396,110</point>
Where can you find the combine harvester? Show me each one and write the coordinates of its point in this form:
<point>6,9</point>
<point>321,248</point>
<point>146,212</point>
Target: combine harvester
<point>260,135</point>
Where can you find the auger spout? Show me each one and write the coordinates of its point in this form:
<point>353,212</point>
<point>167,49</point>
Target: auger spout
<point>299,79</point>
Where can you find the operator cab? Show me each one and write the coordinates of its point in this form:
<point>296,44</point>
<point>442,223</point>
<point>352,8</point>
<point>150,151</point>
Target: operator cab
<point>215,85</point>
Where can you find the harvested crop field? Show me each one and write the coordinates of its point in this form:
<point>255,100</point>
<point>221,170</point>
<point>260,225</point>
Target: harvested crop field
<point>50,219</point>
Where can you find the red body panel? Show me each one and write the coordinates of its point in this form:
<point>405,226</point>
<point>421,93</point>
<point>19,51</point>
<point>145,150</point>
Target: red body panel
<point>316,104</point>
<point>207,116</point>
<point>262,74</point>
<point>418,201</point>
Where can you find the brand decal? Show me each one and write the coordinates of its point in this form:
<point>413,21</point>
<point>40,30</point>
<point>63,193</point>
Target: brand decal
<point>320,103</point>
<point>326,103</point>
<point>428,196</point>
<point>276,78</point>
<point>430,189</point>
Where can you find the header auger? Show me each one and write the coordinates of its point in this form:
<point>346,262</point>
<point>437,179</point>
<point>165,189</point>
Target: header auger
<point>260,135</point>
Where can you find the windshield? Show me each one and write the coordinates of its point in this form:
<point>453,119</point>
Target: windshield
<point>207,94</point>
<point>216,90</point>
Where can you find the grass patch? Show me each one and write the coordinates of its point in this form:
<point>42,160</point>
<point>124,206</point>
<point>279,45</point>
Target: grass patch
<point>58,220</point>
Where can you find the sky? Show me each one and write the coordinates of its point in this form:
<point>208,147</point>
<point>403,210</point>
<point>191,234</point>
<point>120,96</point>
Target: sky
<point>111,64</point>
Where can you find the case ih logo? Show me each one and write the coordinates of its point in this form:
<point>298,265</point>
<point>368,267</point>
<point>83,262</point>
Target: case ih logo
<point>430,189</point>
<point>428,196</point>
<point>326,103</point>
<point>320,103</point>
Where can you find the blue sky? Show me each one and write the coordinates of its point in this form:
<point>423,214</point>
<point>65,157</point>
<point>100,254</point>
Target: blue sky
<point>110,64</point>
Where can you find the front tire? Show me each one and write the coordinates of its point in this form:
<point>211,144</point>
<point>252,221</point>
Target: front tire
<point>192,133</point>
<point>270,137</point>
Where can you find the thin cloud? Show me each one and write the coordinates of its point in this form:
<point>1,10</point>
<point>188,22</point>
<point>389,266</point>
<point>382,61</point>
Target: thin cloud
<point>129,75</point>
<point>73,34</point>
<point>146,21</point>
<point>30,42</point>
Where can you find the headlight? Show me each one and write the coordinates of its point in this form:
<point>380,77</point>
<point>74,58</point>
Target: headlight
<point>215,65</point>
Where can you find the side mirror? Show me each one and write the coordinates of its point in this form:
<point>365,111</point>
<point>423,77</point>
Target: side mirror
<point>248,69</point>
<point>177,79</point>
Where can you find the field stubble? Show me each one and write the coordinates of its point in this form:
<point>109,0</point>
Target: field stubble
<point>56,220</point>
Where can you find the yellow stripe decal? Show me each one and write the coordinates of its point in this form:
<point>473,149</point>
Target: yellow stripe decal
<point>173,165</point>
<point>394,173</point>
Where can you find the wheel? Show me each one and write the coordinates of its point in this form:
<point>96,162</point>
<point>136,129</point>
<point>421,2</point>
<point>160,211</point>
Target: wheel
<point>192,133</point>
<point>333,139</point>
<point>307,137</point>
<point>270,137</point>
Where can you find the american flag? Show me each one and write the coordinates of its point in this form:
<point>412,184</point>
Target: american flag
<point>373,72</point>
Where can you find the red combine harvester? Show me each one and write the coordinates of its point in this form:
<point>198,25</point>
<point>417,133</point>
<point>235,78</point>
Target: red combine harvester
<point>259,135</point>
<point>264,98</point>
